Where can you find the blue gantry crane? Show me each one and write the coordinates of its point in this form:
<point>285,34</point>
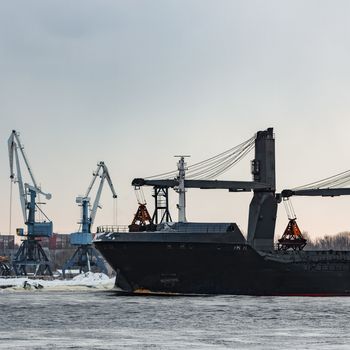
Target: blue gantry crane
<point>85,257</point>
<point>30,257</point>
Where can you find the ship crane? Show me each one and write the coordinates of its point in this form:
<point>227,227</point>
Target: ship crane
<point>203,175</point>
<point>30,256</point>
<point>292,236</point>
<point>85,257</point>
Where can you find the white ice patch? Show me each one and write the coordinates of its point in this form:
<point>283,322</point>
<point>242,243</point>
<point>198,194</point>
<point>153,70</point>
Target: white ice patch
<point>82,281</point>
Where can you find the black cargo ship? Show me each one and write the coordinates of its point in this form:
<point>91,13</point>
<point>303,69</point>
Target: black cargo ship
<point>215,258</point>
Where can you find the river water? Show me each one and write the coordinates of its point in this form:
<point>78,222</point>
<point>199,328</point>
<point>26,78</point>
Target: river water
<point>102,320</point>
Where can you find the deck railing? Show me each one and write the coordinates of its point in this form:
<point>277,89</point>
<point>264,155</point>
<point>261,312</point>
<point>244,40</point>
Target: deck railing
<point>112,228</point>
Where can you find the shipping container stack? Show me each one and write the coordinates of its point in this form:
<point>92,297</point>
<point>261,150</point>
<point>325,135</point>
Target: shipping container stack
<point>59,248</point>
<point>7,245</point>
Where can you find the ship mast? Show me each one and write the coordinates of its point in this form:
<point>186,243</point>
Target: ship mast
<point>181,190</point>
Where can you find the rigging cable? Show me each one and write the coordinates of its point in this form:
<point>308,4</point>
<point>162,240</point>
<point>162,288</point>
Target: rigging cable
<point>329,182</point>
<point>10,219</point>
<point>38,205</point>
<point>214,166</point>
<point>289,208</point>
<point>222,167</point>
<point>140,196</point>
<point>115,211</point>
<point>220,159</point>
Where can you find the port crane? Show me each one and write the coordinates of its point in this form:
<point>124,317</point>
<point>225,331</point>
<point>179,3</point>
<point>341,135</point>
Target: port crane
<point>85,256</point>
<point>30,256</point>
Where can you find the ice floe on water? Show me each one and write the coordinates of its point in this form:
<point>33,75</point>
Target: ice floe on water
<point>83,281</point>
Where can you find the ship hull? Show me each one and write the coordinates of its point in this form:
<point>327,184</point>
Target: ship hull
<point>224,268</point>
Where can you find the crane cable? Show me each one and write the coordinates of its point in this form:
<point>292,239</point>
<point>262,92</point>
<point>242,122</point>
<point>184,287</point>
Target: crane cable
<point>289,208</point>
<point>10,218</point>
<point>214,166</point>
<point>140,196</point>
<point>38,205</point>
<point>220,167</point>
<point>115,211</point>
<point>334,181</point>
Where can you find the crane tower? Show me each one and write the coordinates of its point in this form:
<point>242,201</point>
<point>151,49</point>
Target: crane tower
<point>85,257</point>
<point>30,256</point>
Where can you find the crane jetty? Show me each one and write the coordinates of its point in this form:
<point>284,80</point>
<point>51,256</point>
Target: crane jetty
<point>156,255</point>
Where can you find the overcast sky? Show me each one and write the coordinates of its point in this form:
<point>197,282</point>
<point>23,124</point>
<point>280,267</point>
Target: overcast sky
<point>135,82</point>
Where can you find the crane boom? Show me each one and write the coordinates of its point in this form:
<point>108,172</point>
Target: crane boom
<point>22,192</point>
<point>102,172</point>
<point>14,143</point>
<point>103,176</point>
<point>94,176</point>
<point>97,200</point>
<point>109,181</point>
<point>323,192</point>
<point>105,173</point>
<point>232,186</point>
